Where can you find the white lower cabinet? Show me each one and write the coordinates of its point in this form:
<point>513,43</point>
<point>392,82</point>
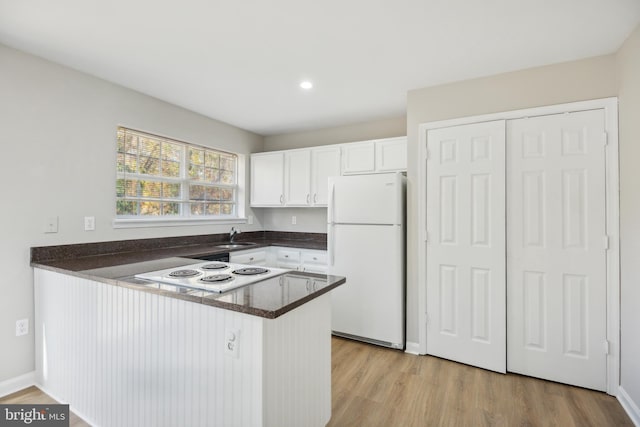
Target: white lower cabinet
<point>314,261</point>
<point>250,256</point>
<point>308,260</point>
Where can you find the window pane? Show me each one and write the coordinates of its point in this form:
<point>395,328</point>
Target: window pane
<point>211,175</point>
<point>226,208</point>
<point>149,208</point>
<point>226,194</point>
<point>131,143</point>
<point>131,163</point>
<point>196,192</point>
<point>150,189</point>
<point>172,152</point>
<point>171,191</point>
<point>197,208</point>
<point>171,208</point>
<point>196,156</point>
<point>131,188</point>
<point>227,163</point>
<point>212,159</point>
<point>125,207</point>
<point>170,168</point>
<point>213,209</point>
<point>149,165</point>
<point>196,172</point>
<point>149,147</point>
<point>226,177</point>
<point>213,193</point>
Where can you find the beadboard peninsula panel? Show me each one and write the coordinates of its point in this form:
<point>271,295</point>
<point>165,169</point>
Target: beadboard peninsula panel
<point>128,358</point>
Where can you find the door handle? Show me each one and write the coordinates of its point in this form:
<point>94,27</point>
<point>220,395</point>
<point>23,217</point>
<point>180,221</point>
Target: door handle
<point>282,199</point>
<point>315,198</point>
<point>308,198</point>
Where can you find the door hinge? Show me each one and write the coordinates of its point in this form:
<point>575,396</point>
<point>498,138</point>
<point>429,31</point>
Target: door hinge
<point>606,243</point>
<point>605,138</point>
<point>606,347</point>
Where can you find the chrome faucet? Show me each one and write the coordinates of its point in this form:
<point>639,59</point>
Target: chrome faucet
<point>232,235</point>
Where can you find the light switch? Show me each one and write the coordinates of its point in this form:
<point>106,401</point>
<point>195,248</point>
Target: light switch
<point>89,223</point>
<point>51,225</point>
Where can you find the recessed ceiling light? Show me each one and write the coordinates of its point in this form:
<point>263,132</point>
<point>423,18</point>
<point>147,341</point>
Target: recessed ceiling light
<point>306,85</point>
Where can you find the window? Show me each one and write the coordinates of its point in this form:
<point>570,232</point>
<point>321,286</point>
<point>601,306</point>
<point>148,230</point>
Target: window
<point>162,178</point>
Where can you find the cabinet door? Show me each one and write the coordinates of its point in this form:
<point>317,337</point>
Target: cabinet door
<point>325,162</point>
<point>391,155</point>
<point>358,158</point>
<point>267,179</point>
<point>249,257</point>
<point>314,261</point>
<point>297,177</point>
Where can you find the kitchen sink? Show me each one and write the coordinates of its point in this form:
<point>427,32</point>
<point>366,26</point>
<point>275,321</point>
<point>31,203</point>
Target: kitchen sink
<point>235,245</point>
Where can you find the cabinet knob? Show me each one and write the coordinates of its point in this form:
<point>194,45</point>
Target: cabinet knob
<point>315,258</point>
<point>282,199</point>
<point>286,256</point>
<point>315,198</point>
<point>250,258</point>
<point>308,198</point>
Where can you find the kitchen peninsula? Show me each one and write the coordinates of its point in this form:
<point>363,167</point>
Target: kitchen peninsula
<point>123,351</point>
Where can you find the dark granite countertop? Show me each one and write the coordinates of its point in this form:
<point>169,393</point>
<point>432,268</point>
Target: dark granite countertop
<point>269,298</point>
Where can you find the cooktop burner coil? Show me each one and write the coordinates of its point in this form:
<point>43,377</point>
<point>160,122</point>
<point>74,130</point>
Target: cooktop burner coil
<point>250,271</point>
<point>217,278</point>
<point>184,273</point>
<point>214,266</point>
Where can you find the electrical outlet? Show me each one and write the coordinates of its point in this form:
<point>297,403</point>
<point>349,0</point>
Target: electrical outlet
<point>51,225</point>
<point>250,219</point>
<point>232,342</point>
<point>89,223</point>
<point>22,327</point>
<point>294,220</point>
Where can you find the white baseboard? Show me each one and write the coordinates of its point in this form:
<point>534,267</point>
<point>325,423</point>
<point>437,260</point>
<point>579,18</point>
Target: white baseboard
<point>412,348</point>
<point>629,406</point>
<point>71,407</point>
<point>18,383</point>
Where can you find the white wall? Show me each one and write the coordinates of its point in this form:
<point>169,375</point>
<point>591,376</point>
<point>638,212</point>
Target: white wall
<point>385,128</point>
<point>57,133</point>
<point>629,120</point>
<point>308,220</point>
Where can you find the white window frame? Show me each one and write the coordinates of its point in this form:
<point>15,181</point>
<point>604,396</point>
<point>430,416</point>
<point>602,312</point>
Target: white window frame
<point>186,218</point>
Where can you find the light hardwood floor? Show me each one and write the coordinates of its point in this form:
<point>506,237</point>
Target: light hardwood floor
<point>374,386</point>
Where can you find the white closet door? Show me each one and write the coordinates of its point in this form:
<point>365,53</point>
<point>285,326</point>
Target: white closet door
<point>556,251</point>
<point>466,244</point>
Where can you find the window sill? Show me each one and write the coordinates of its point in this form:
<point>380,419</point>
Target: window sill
<point>172,222</point>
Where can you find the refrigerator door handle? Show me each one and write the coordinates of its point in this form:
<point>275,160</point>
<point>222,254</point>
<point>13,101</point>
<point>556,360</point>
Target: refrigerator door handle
<point>331,249</point>
<point>332,202</point>
<point>330,213</point>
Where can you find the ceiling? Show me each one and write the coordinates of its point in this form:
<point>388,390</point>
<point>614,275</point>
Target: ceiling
<point>241,61</point>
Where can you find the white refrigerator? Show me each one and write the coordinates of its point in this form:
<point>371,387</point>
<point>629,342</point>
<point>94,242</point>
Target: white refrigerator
<point>366,243</point>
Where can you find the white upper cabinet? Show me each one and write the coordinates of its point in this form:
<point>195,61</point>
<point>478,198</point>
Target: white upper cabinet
<point>391,154</point>
<point>358,157</point>
<point>267,179</point>
<point>384,155</point>
<point>325,162</point>
<point>297,177</point>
